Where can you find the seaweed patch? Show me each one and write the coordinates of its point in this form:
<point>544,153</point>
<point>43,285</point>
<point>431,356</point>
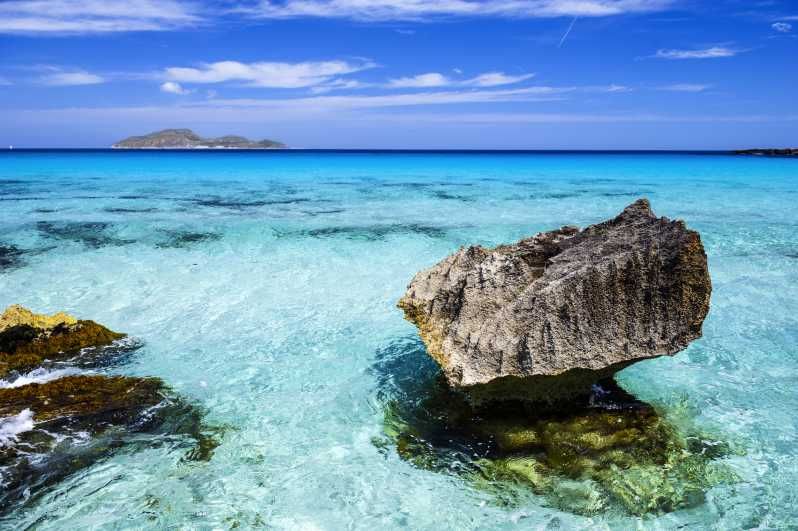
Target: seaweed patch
<point>181,239</point>
<point>91,234</point>
<point>10,256</point>
<point>373,232</point>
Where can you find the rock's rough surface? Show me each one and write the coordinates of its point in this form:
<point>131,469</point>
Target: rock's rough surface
<point>546,317</point>
<point>16,315</point>
<point>28,339</point>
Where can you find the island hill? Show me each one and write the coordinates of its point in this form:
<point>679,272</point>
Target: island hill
<point>188,139</point>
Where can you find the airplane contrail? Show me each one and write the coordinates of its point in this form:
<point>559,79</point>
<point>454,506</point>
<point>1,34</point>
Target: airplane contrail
<point>567,32</point>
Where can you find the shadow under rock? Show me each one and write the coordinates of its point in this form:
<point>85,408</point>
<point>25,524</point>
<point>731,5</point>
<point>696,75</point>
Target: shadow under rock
<point>607,453</point>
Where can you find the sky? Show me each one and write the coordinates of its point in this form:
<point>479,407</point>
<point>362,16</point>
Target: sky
<point>462,74</point>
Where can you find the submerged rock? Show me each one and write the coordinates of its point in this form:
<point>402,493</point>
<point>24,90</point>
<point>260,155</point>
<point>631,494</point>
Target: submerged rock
<point>545,318</point>
<point>607,453</point>
<point>57,419</point>
<point>10,256</point>
<point>28,339</point>
<point>51,429</point>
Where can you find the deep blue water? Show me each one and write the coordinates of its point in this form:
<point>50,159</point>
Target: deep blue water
<point>264,284</point>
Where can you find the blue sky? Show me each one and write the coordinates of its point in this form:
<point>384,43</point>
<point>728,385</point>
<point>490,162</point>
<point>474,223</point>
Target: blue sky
<point>536,74</point>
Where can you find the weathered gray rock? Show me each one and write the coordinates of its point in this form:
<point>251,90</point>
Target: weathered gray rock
<point>546,317</point>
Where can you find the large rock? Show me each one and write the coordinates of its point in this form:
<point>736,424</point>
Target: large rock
<point>546,317</point>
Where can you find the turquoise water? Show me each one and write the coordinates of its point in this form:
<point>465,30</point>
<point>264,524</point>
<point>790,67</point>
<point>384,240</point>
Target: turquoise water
<point>263,286</point>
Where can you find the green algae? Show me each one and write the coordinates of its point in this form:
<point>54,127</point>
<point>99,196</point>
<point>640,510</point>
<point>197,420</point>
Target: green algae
<point>611,454</point>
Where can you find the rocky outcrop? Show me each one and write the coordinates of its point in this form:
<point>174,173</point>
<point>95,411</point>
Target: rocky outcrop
<point>769,152</point>
<point>56,418</point>
<point>27,339</point>
<point>545,318</point>
<point>188,139</point>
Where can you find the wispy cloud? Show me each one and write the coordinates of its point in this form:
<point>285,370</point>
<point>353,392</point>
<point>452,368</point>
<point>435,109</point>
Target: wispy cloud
<point>563,118</point>
<point>436,79</point>
<point>685,87</point>
<point>382,10</point>
<point>172,87</point>
<point>94,16</point>
<point>782,27</point>
<point>60,78</point>
<point>350,102</point>
<point>4,82</point>
<point>431,79</point>
<point>713,52</point>
<point>267,74</point>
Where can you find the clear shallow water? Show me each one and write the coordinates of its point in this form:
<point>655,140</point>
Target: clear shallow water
<point>264,286</point>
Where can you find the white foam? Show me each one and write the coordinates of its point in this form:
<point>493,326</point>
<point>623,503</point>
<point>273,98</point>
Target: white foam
<point>39,376</point>
<point>12,426</point>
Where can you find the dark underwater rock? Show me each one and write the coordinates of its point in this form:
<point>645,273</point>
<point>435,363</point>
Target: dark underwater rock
<point>10,256</point>
<point>52,429</point>
<point>54,422</point>
<point>606,453</point>
<point>545,318</point>
<point>181,239</point>
<point>92,234</point>
<point>376,232</point>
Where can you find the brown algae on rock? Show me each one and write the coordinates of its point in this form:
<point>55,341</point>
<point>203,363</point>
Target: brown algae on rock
<point>28,339</point>
<point>50,429</point>
<point>617,454</point>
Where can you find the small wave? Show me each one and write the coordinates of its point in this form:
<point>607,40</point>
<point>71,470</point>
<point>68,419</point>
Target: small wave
<point>12,426</point>
<point>39,376</point>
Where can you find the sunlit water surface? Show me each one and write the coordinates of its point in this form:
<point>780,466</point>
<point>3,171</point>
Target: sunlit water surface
<point>264,285</point>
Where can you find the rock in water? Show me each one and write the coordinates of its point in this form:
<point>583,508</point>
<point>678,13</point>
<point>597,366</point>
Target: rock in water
<point>545,318</point>
<point>28,339</point>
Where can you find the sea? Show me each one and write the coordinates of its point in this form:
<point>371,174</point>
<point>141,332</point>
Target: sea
<point>262,286</point>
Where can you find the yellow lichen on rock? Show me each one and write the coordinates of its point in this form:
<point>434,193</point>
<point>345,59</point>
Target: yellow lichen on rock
<point>16,315</point>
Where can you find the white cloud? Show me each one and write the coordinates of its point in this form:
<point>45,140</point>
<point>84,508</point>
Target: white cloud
<point>705,53</point>
<point>561,118</point>
<point>339,84</point>
<point>267,74</point>
<point>76,78</point>
<point>432,79</point>
<point>94,16</point>
<point>494,79</point>
<point>423,9</point>
<point>348,102</point>
<point>782,27</point>
<point>685,87</point>
<point>174,88</point>
<point>4,82</point>
<point>435,79</point>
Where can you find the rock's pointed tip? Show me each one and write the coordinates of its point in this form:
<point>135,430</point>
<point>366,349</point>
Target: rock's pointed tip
<point>640,208</point>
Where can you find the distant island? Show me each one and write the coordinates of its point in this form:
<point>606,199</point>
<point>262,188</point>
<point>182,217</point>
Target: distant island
<point>188,139</point>
<point>769,152</point>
